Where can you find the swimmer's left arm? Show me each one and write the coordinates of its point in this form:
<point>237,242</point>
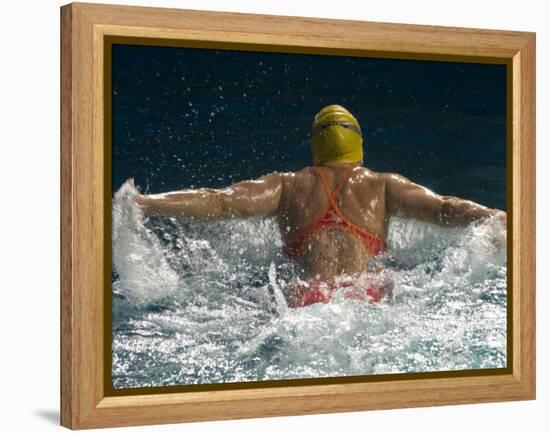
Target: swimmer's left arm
<point>242,199</point>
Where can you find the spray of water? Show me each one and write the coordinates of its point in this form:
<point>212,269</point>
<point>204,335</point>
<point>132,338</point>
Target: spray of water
<point>203,302</point>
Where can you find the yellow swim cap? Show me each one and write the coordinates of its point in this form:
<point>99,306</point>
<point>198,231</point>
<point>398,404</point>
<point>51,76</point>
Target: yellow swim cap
<point>336,136</point>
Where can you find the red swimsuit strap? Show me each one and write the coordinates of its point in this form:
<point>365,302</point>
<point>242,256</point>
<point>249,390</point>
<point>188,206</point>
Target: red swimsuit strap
<point>331,194</point>
<point>374,244</point>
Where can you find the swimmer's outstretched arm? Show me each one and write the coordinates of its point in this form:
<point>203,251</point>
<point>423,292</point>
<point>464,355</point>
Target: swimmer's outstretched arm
<point>408,199</point>
<point>242,199</point>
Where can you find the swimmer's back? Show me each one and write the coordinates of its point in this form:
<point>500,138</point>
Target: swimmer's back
<point>362,201</point>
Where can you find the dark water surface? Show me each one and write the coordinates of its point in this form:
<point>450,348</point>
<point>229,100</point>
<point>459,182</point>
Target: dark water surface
<point>196,117</point>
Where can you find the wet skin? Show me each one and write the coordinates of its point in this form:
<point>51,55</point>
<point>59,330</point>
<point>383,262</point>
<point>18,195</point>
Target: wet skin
<point>367,198</point>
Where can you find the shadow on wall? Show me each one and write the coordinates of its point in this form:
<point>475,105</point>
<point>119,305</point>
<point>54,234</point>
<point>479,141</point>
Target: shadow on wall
<point>50,415</point>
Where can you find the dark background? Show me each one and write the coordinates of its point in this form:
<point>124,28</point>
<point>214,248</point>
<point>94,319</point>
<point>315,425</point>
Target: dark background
<point>188,118</point>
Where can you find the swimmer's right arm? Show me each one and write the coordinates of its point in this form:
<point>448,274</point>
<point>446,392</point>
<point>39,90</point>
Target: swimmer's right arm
<point>409,199</point>
<point>242,199</point>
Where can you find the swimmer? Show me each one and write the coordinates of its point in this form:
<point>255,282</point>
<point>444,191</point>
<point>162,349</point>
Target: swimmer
<point>333,216</point>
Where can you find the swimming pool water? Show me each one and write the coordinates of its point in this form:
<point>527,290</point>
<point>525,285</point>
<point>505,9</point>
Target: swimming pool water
<point>202,302</point>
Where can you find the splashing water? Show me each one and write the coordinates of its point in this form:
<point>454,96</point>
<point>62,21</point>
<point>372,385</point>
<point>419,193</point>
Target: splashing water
<point>203,302</point>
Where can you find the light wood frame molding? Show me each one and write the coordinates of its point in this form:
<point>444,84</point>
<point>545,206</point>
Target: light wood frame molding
<point>84,226</point>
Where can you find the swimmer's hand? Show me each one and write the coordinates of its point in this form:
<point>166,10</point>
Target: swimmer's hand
<point>496,223</point>
<point>143,203</point>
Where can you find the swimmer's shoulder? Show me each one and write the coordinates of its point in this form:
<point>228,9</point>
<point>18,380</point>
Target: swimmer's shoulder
<point>288,179</point>
<point>380,180</point>
<point>291,178</point>
<point>307,175</point>
<point>299,181</point>
<point>365,176</point>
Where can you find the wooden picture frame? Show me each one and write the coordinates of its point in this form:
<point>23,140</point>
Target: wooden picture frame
<point>86,30</point>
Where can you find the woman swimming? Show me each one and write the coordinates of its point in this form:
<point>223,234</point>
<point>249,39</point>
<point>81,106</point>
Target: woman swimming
<point>333,217</point>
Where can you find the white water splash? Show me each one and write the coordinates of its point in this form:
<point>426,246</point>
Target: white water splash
<point>203,302</point>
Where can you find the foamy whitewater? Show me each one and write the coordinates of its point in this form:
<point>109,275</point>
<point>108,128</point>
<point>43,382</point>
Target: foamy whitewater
<point>203,302</point>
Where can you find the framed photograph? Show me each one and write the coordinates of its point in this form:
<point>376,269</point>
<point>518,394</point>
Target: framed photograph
<point>265,215</point>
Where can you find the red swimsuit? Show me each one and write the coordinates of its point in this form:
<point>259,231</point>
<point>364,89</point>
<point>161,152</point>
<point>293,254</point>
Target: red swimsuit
<point>331,218</point>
